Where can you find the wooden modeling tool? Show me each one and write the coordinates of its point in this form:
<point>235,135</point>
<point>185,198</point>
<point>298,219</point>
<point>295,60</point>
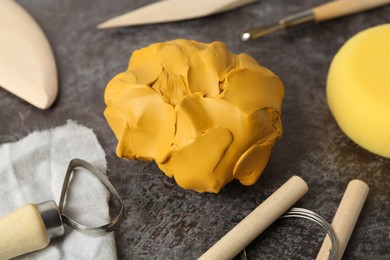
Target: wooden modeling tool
<point>27,65</point>
<point>257,221</point>
<point>327,11</point>
<point>172,10</point>
<point>345,218</point>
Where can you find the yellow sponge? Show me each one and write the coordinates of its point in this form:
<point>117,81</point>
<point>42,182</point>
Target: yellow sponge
<point>358,89</point>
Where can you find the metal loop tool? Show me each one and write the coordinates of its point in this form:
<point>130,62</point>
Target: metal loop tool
<point>310,215</point>
<point>98,230</point>
<point>32,226</point>
<point>279,205</point>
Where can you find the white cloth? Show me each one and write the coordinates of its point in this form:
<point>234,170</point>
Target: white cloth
<point>32,170</point>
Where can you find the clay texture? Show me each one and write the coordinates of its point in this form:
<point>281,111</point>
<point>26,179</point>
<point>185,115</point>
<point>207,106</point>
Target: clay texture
<point>204,115</point>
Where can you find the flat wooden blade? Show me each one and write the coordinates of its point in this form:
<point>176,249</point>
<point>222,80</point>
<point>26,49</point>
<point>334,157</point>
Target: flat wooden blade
<point>172,10</point>
<point>27,65</point>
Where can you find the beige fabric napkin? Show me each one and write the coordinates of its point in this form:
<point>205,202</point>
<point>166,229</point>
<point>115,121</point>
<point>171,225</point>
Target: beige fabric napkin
<point>32,170</point>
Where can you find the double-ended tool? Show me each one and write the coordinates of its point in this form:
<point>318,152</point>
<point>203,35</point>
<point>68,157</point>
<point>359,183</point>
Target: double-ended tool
<point>328,11</point>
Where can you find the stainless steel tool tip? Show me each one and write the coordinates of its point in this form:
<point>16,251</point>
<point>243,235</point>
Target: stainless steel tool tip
<point>245,36</point>
<point>261,31</point>
<point>289,21</point>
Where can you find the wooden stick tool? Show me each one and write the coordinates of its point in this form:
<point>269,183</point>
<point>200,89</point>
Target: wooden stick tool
<point>345,219</point>
<point>258,220</point>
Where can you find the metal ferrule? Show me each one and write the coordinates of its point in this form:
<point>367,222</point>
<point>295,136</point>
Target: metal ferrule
<point>298,18</point>
<point>51,217</point>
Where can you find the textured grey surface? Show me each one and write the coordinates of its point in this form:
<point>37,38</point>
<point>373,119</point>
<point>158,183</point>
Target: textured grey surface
<point>164,221</point>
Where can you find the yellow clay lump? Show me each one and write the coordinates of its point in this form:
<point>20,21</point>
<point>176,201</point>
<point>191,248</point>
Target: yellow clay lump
<point>358,89</point>
<point>204,115</point>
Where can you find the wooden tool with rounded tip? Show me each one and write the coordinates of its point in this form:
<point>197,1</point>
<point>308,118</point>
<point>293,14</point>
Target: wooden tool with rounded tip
<point>257,221</point>
<point>346,216</point>
<point>27,64</point>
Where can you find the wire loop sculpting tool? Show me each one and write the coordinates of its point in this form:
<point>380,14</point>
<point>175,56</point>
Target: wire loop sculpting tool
<point>310,215</point>
<point>32,226</point>
<point>338,234</point>
<point>99,230</point>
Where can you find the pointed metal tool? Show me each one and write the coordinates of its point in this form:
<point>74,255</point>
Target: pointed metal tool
<point>27,65</point>
<point>172,10</point>
<point>331,10</point>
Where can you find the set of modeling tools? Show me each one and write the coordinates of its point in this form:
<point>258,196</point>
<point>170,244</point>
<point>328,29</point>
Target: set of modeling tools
<point>38,224</point>
<point>177,10</point>
<point>40,87</point>
<point>279,205</point>
<point>31,227</point>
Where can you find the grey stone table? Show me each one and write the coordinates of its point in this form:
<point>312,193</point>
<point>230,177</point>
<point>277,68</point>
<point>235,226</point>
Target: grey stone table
<point>164,221</point>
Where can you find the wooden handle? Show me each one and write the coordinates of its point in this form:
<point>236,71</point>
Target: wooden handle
<point>22,231</point>
<point>258,220</point>
<point>340,8</point>
<point>345,218</point>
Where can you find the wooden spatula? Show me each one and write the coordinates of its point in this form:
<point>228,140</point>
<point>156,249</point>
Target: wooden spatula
<point>172,10</point>
<point>27,65</point>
